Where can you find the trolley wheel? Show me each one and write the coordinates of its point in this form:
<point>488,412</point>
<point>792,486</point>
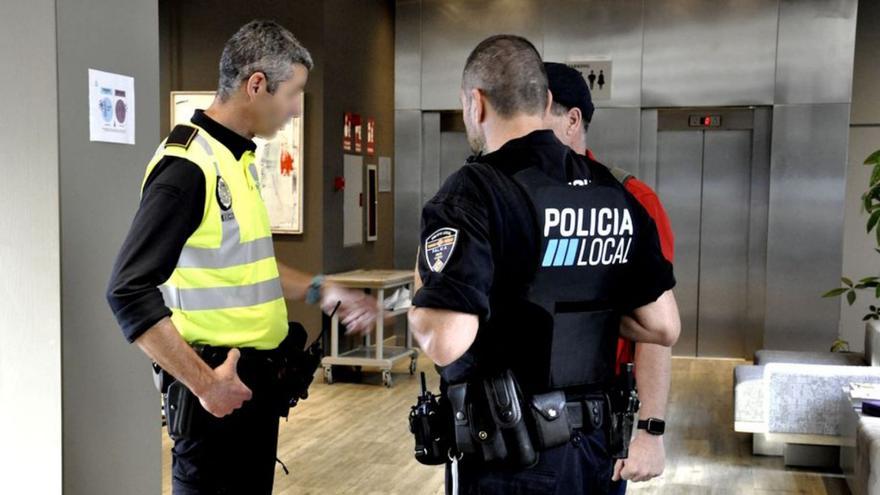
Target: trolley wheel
<point>413,363</point>
<point>328,375</point>
<point>386,378</point>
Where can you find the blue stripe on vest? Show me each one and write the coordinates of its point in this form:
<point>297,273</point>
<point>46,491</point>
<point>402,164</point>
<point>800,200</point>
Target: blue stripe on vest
<point>560,254</point>
<point>551,250</point>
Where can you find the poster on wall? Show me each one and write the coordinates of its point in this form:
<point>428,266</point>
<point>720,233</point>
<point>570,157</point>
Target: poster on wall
<point>346,132</point>
<point>185,103</point>
<point>278,161</point>
<point>111,107</point>
<point>356,124</point>
<point>371,136</point>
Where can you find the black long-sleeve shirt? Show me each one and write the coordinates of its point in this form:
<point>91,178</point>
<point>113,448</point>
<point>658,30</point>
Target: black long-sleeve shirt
<point>171,209</point>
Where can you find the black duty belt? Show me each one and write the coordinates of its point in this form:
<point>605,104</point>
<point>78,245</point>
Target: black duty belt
<point>587,414</point>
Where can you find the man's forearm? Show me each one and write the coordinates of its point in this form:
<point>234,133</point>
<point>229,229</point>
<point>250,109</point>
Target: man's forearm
<point>653,372</point>
<point>164,345</point>
<point>294,283</point>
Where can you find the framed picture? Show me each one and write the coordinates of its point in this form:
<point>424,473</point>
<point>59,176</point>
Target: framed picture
<point>279,162</point>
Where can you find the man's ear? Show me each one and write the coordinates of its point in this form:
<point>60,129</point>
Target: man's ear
<point>549,104</point>
<point>255,84</point>
<point>478,106</point>
<point>575,119</point>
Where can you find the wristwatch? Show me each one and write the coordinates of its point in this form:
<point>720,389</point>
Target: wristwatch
<point>653,426</point>
<point>313,293</point>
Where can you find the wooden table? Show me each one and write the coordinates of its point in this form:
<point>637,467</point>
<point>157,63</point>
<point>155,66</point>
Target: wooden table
<point>379,355</point>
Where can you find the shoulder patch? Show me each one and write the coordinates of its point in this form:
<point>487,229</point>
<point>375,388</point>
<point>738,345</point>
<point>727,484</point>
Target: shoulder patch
<point>181,136</point>
<point>439,247</point>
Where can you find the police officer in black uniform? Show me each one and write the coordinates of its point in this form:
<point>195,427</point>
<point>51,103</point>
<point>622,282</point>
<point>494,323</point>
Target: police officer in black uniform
<point>530,255</point>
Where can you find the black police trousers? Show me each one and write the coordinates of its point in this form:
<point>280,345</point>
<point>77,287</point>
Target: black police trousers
<point>581,466</point>
<point>233,455</point>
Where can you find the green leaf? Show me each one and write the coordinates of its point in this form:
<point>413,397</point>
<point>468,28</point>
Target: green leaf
<point>835,292</point>
<point>872,220</point>
<point>851,297</point>
<point>877,292</point>
<point>873,158</point>
<point>866,202</point>
<point>867,317</point>
<point>875,175</point>
<point>869,279</point>
<point>846,281</point>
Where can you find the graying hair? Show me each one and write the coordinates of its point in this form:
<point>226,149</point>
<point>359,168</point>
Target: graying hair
<point>260,46</point>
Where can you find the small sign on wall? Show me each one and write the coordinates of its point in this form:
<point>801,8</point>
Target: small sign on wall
<point>346,132</point>
<point>598,76</point>
<point>111,107</point>
<point>371,136</point>
<point>358,132</point>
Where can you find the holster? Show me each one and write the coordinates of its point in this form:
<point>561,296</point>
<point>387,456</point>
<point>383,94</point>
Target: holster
<point>180,406</point>
<point>298,367</point>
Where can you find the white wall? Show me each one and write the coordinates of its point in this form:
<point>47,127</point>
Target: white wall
<point>859,258</point>
<point>30,297</point>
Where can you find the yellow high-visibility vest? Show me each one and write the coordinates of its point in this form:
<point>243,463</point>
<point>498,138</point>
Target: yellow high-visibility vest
<point>225,289</point>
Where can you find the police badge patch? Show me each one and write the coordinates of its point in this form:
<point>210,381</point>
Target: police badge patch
<point>224,197</point>
<point>439,247</point>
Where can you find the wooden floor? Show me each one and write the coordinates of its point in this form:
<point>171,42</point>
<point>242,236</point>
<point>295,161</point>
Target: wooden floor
<point>353,439</point>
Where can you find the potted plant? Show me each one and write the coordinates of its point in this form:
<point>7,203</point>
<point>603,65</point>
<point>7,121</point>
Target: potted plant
<point>869,284</point>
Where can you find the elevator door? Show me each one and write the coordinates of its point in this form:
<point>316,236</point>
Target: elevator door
<point>703,179</point>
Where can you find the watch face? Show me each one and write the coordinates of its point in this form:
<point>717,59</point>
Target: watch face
<point>656,426</point>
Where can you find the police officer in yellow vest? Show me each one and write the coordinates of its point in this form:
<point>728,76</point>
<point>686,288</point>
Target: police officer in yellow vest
<point>196,284</point>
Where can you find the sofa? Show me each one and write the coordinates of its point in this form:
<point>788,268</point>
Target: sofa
<point>790,401</point>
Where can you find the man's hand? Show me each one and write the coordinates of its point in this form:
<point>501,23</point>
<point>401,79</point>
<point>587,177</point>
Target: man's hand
<point>646,460</point>
<point>226,392</point>
<point>357,311</point>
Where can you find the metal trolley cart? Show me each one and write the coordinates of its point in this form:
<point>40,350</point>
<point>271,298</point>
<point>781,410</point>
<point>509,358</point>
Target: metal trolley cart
<point>378,355</point>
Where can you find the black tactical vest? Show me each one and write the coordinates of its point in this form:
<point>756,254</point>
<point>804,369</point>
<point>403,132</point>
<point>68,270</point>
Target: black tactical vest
<point>559,330</point>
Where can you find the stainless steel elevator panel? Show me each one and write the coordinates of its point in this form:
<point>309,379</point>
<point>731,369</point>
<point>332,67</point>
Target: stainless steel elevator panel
<point>454,150</point>
<point>712,181</point>
<point>724,242</point>
<point>679,184</point>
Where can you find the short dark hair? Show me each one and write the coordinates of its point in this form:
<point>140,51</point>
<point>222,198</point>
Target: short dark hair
<point>509,71</point>
<point>260,46</point>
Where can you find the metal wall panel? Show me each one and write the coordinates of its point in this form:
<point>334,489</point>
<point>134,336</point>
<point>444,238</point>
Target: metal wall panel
<point>724,235</point>
<point>648,148</point>
<point>408,55</point>
<point>582,30</point>
<point>866,70</point>
<point>614,137</point>
<point>701,53</point>
<point>454,150</point>
<point>815,51</point>
<point>758,208</point>
<point>452,28</point>
<point>679,184</point>
<point>807,184</point>
<point>407,186</point>
<point>430,155</point>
